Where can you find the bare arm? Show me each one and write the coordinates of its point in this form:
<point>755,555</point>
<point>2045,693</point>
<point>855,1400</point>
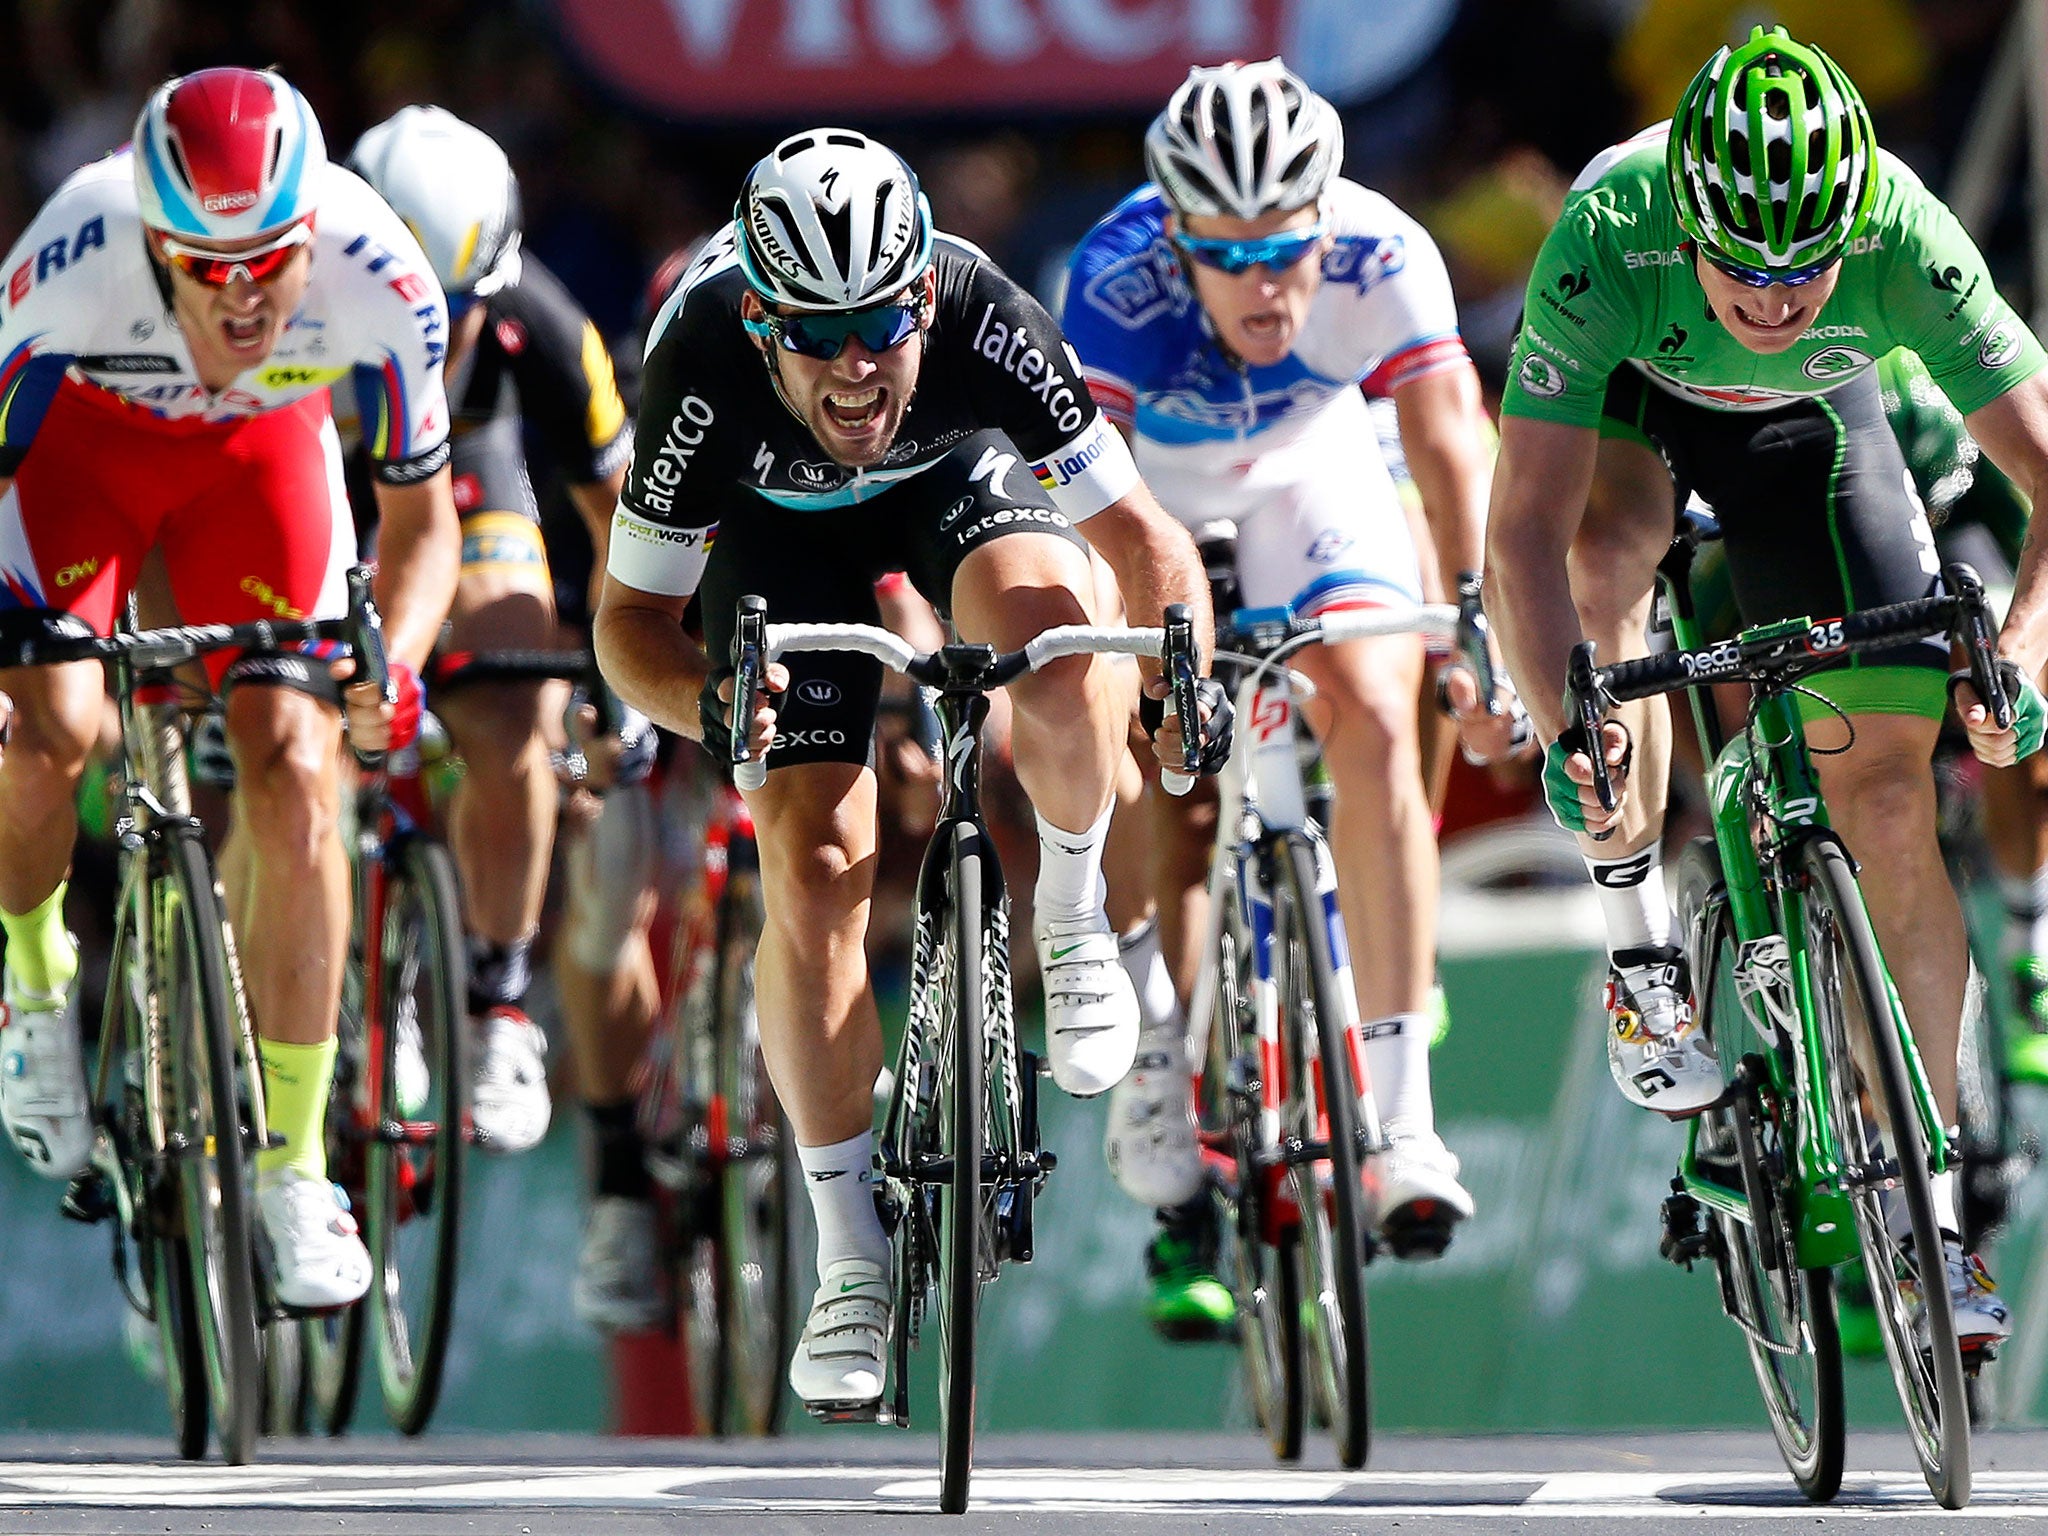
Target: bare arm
<point>419,557</point>
<point>2013,429</point>
<point>1155,563</point>
<point>1443,434</point>
<point>647,658</point>
<point>594,503</point>
<point>1540,485</point>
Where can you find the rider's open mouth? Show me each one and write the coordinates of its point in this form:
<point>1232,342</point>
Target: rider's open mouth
<point>243,333</point>
<point>853,410</point>
<point>1270,325</point>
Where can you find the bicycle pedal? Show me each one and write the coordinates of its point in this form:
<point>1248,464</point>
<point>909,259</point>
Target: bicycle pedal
<point>1686,1238</point>
<point>89,1198</point>
<point>1410,1234</point>
<point>849,1413</point>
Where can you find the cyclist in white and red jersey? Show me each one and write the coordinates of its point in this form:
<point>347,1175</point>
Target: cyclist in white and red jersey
<point>1226,316</point>
<point>169,327</point>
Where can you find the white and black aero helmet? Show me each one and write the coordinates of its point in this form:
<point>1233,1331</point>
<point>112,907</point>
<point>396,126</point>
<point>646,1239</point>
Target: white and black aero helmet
<point>1241,140</point>
<point>454,188</point>
<point>830,219</point>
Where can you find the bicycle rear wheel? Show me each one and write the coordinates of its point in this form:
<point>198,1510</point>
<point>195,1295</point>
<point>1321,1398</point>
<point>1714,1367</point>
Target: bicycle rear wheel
<point>1260,1266</point>
<point>206,1136</point>
<point>1863,1070</point>
<point>757,1289</point>
<point>414,1163</point>
<point>960,1224</point>
<point>1787,1314</point>
<point>332,1342</point>
<point>1332,1218</point>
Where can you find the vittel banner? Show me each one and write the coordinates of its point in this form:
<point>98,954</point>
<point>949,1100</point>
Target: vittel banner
<point>781,58</point>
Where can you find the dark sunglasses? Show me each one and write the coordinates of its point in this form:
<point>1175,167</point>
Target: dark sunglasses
<point>878,328</point>
<point>1276,252</point>
<point>1750,277</point>
<point>216,270</point>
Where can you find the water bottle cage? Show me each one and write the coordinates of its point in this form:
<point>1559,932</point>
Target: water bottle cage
<point>1763,980</point>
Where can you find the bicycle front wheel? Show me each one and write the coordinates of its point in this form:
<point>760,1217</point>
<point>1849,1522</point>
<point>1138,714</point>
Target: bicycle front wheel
<point>1885,1157</point>
<point>960,1256</point>
<point>414,1171</point>
<point>1786,1314</point>
<point>757,1291</point>
<point>1332,1217</point>
<point>206,1136</point>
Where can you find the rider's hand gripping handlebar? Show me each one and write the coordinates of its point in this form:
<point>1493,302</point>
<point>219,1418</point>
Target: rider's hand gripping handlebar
<point>749,678</point>
<point>1586,706</point>
<point>366,641</point>
<point>1179,658</point>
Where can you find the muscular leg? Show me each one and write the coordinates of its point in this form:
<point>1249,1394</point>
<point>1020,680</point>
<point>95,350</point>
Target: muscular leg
<point>1880,797</point>
<point>56,721</point>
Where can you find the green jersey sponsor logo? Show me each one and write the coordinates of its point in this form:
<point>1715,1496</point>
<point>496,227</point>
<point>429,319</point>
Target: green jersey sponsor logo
<point>2001,346</point>
<point>1673,342</point>
<point>1635,259</point>
<point>1947,279</point>
<point>1572,284</point>
<point>1835,363</point>
<point>1540,379</point>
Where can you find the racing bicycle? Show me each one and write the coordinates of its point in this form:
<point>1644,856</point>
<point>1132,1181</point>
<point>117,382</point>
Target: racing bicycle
<point>961,1160</point>
<point>1828,1132</point>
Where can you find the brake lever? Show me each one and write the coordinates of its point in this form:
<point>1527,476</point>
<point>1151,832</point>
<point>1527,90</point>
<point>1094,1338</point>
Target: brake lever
<point>1584,701</point>
<point>1980,643</point>
<point>1178,656</point>
<point>749,665</point>
<point>1475,642</point>
<point>365,633</point>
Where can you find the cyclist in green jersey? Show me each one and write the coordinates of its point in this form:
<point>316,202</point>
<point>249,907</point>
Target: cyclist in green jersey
<point>1718,289</point>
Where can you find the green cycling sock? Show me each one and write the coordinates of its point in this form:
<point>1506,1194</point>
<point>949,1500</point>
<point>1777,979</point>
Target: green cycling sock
<point>296,1079</point>
<point>40,954</point>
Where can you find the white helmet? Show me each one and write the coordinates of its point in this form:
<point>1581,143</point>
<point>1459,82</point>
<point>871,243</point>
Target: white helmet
<point>1241,140</point>
<point>454,188</point>
<point>830,219</point>
<point>227,154</point>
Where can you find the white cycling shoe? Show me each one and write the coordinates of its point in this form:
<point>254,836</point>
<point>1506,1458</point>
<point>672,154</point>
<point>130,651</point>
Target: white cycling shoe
<point>509,1103</point>
<point>1656,1049</point>
<point>837,1367</point>
<point>1091,1009</point>
<point>1418,1201</point>
<point>618,1273</point>
<point>317,1258</point>
<point>1983,1320</point>
<point>1150,1143</point>
<point>43,1100</point>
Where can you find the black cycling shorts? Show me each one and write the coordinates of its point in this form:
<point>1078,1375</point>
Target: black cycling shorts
<point>820,567</point>
<point>1817,510</point>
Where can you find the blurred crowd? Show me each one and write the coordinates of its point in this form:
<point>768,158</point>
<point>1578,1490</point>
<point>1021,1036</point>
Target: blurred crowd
<point>1480,140</point>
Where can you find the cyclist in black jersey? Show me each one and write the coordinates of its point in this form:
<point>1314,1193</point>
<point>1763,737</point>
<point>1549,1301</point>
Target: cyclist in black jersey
<point>521,353</point>
<point>834,392</point>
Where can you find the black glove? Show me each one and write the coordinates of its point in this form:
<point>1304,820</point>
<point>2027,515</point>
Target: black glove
<point>1218,719</point>
<point>715,715</point>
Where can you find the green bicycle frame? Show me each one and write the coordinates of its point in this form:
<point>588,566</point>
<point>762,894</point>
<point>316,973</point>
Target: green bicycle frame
<point>1768,770</point>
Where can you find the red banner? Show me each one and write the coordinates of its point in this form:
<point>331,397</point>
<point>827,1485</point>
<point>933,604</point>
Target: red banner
<point>814,58</point>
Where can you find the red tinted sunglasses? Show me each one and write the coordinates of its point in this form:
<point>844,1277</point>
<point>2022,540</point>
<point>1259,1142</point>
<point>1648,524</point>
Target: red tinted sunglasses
<point>216,270</point>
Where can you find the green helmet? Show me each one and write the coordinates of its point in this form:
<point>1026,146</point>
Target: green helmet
<point>1772,159</point>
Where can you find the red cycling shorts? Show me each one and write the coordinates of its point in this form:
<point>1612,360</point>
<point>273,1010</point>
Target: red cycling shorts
<point>251,515</point>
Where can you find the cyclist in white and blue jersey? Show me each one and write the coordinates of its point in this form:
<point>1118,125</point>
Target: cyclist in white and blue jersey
<point>1226,316</point>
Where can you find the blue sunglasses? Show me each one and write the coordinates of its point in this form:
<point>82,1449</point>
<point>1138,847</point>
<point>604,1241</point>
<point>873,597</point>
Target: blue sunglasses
<point>1276,252</point>
<point>879,328</point>
<point>1750,277</point>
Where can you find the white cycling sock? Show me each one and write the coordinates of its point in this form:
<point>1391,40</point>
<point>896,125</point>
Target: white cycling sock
<point>1070,889</point>
<point>1397,1061</point>
<point>841,1179</point>
<point>2026,904</point>
<point>1899,1221</point>
<point>1633,905</point>
<point>1145,963</point>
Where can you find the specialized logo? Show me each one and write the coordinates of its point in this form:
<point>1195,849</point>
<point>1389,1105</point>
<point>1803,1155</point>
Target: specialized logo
<point>818,692</point>
<point>685,435</point>
<point>1673,341</point>
<point>1539,378</point>
<point>2001,346</point>
<point>1016,353</point>
<point>1572,284</point>
<point>992,466</point>
<point>1834,363</point>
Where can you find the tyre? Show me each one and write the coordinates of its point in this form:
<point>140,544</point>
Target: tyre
<point>961,1215</point>
<point>1864,1064</point>
<point>1787,1315</point>
<point>332,1342</point>
<point>196,997</point>
<point>1262,1274</point>
<point>333,1345</point>
<point>1333,1216</point>
<point>696,1182</point>
<point>414,1162</point>
<point>756,1290</point>
<point>285,1396</point>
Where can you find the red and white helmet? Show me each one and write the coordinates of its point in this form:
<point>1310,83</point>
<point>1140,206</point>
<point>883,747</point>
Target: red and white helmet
<point>225,154</point>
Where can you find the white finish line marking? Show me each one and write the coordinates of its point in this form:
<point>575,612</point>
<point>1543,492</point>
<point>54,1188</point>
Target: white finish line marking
<point>1550,1496</point>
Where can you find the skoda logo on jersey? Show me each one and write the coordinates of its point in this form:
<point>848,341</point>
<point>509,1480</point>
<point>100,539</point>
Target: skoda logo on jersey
<point>954,511</point>
<point>2001,346</point>
<point>1540,379</point>
<point>817,692</point>
<point>1834,363</point>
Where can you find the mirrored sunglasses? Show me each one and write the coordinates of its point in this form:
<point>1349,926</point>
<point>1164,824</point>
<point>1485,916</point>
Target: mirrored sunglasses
<point>1751,277</point>
<point>823,337</point>
<point>1277,253</point>
<point>216,269</point>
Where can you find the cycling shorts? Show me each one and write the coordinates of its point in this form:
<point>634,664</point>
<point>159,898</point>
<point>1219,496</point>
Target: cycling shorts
<point>252,515</point>
<point>820,567</point>
<point>1819,518</point>
<point>1319,524</point>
